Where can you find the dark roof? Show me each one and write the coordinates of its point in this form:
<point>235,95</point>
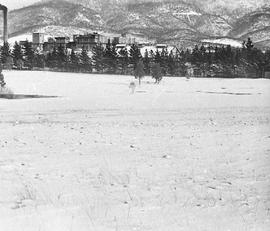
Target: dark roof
<point>62,38</point>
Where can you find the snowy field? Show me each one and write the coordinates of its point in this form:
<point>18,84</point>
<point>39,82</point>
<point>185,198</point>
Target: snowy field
<point>182,155</point>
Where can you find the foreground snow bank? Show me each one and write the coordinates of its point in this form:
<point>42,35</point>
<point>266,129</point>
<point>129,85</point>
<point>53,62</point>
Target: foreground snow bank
<point>182,155</point>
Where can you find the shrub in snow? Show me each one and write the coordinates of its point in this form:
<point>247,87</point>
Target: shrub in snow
<point>157,72</point>
<point>5,91</point>
<point>2,81</point>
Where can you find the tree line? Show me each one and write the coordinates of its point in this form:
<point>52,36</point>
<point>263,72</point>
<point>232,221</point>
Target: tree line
<point>205,61</point>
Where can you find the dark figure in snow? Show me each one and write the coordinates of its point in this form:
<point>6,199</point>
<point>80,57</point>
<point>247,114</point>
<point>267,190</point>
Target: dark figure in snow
<point>132,87</point>
<point>2,81</point>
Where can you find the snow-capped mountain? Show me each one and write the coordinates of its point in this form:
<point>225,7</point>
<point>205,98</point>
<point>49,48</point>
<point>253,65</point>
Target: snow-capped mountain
<point>182,22</point>
<point>255,25</point>
<point>53,13</point>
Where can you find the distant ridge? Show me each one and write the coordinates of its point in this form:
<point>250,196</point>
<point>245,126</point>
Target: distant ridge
<point>179,22</point>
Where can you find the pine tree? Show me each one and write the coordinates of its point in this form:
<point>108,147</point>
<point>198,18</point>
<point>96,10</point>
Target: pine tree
<point>171,64</point>
<point>114,58</point>
<point>28,55</point>
<point>39,60</point>
<point>180,60</point>
<point>259,62</point>
<point>157,57</point>
<point>139,71</point>
<point>107,55</point>
<point>135,55</point>
<point>187,56</point>
<point>5,53</point>
<point>17,55</point>
<point>98,58</point>
<point>123,60</point>
<point>249,44</point>
<point>164,61</point>
<point>237,56</point>
<point>151,55</point>
<point>267,57</point>
<point>223,55</point>
<point>110,57</point>
<point>247,56</point>
<point>203,60</point>
<point>196,56</point>
<point>85,61</point>
<point>216,58</point>
<point>74,61</point>
<point>229,57</point>
<point>209,55</point>
<point>62,57</point>
<point>203,56</point>
<point>146,62</point>
<point>52,59</point>
<point>249,51</point>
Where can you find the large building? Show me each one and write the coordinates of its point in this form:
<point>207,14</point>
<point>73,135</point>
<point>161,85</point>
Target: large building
<point>90,40</point>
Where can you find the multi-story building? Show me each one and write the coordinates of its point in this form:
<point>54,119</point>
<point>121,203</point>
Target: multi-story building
<point>56,43</point>
<point>61,41</point>
<point>87,41</point>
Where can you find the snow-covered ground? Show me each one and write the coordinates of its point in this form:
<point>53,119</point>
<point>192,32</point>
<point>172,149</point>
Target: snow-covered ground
<point>182,155</point>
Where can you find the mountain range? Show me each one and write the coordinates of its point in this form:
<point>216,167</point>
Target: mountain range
<point>181,22</point>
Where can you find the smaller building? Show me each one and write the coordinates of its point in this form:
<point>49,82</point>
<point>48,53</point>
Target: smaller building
<point>38,38</point>
<point>121,46</point>
<point>220,42</point>
<point>38,41</point>
<point>161,46</point>
<point>24,42</point>
<point>115,40</point>
<point>127,39</point>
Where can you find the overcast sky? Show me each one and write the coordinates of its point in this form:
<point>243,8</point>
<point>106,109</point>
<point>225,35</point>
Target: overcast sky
<point>13,4</point>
